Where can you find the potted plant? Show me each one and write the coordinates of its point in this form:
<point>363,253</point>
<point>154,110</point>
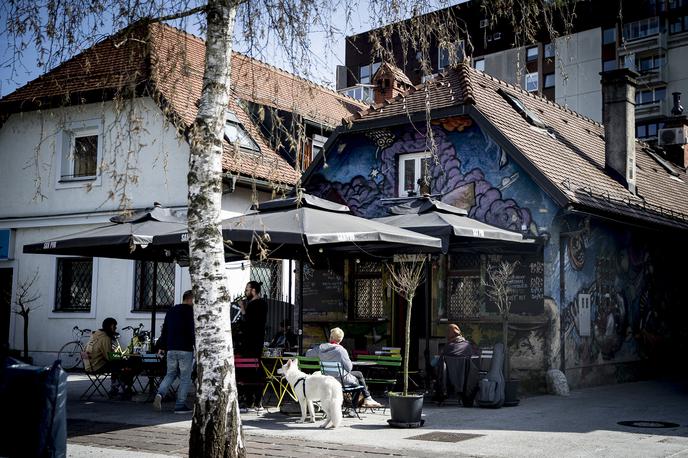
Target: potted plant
<point>404,277</point>
<point>499,289</point>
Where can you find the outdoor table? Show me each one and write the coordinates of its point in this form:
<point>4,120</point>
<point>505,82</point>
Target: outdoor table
<point>274,381</point>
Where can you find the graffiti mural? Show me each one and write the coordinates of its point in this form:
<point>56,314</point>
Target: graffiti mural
<point>468,170</point>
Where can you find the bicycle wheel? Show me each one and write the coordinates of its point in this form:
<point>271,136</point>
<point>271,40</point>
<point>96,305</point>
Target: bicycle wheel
<point>70,354</point>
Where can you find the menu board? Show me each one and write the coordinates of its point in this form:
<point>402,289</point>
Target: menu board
<point>527,284</point>
<point>323,289</point>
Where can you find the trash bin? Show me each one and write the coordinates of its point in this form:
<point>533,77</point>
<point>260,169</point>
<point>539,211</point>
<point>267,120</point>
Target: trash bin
<point>33,400</point>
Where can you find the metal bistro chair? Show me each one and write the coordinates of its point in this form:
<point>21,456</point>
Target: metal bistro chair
<point>352,392</point>
<point>97,379</point>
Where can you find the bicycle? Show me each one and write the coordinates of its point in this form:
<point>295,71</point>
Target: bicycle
<point>140,339</point>
<point>70,353</point>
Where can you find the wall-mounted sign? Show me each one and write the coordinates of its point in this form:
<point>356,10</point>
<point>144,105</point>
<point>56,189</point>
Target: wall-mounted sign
<point>6,243</point>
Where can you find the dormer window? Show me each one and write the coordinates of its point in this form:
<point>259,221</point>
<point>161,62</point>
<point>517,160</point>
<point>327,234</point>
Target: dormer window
<point>236,134</point>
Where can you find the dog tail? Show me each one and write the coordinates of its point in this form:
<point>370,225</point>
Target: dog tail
<point>336,408</point>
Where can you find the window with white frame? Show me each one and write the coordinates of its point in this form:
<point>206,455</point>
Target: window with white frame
<point>318,141</point>
<point>532,54</point>
<point>74,281</point>
<point>650,96</point>
<point>153,280</point>
<point>532,82</point>
<point>479,64</point>
<point>412,168</point>
<point>236,134</point>
<point>81,151</point>
<point>641,29</point>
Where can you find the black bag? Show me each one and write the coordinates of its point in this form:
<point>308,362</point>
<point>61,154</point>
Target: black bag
<point>34,400</point>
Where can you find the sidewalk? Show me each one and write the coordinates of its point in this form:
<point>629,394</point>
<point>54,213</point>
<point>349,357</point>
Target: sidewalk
<point>585,423</point>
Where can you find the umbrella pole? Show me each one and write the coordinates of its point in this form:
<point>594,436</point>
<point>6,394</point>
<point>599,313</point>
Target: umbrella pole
<point>155,303</point>
<point>301,307</point>
<point>428,314</point>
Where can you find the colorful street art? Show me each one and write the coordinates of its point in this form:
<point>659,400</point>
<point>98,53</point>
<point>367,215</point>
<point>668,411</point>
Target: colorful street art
<point>468,170</point>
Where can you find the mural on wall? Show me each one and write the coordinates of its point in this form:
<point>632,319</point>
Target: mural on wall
<point>617,303</point>
<point>468,170</point>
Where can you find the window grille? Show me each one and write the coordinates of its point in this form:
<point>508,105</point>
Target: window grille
<point>464,298</point>
<point>143,286</point>
<point>74,282</point>
<point>269,273</point>
<point>369,302</point>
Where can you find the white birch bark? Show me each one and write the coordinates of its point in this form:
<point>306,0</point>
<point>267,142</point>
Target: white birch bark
<point>216,426</point>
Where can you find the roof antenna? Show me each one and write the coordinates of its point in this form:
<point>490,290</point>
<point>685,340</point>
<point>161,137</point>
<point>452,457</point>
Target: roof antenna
<point>677,109</point>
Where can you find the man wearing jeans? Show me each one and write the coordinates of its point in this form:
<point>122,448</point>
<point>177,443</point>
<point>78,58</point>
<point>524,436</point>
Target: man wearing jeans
<point>177,340</point>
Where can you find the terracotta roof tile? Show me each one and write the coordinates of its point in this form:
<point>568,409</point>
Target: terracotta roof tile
<point>148,56</point>
<point>569,153</point>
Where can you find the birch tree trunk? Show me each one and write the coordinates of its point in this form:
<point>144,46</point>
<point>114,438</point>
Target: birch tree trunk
<point>216,426</point>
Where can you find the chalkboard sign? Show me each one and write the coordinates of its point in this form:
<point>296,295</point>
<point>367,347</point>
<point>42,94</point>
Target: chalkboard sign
<point>528,285</point>
<point>323,289</point>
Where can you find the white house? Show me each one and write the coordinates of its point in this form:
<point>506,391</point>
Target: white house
<point>107,130</point>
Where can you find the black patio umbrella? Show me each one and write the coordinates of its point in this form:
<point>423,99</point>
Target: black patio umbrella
<point>437,219</point>
<point>295,228</point>
<point>126,237</point>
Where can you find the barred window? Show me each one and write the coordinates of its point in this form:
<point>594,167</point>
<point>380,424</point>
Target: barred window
<point>464,289</point>
<point>369,302</point>
<point>269,273</point>
<point>73,285</point>
<point>144,287</point>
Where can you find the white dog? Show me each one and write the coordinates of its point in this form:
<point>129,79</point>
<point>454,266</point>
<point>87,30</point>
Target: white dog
<point>315,387</point>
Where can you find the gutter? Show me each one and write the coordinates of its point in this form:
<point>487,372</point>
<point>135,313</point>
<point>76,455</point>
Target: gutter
<point>249,182</point>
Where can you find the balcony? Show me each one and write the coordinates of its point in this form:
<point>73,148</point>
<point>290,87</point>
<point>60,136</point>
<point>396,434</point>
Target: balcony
<point>651,110</point>
<point>363,92</point>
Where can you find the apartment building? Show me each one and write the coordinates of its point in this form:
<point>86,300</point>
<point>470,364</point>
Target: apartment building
<point>648,36</point>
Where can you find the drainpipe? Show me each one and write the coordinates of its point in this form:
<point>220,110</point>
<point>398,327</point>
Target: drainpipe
<point>562,298</point>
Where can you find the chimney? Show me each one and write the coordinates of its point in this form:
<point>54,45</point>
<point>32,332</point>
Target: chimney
<point>618,114</point>
<point>669,138</point>
<point>389,82</point>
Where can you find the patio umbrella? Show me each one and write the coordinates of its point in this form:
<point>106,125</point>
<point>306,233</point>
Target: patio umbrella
<point>437,219</point>
<point>127,237</point>
<point>294,228</point>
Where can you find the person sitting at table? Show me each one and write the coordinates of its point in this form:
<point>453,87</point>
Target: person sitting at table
<point>333,351</point>
<point>99,348</point>
<point>285,337</point>
<point>177,341</point>
<point>457,346</point>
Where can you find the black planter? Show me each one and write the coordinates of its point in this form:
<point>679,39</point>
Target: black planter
<point>406,411</point>
<point>511,392</point>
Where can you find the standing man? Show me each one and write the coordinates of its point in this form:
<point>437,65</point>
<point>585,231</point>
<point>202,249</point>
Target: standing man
<point>254,314</point>
<point>177,340</point>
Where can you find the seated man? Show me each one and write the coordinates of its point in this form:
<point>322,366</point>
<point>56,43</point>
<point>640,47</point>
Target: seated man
<point>457,347</point>
<point>333,351</point>
<point>98,348</point>
<point>285,337</point>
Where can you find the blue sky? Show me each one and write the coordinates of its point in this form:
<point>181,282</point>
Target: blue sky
<point>325,55</point>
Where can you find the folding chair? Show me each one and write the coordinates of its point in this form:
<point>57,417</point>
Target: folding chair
<point>353,392</point>
<point>308,364</point>
<point>249,374</point>
<point>97,379</point>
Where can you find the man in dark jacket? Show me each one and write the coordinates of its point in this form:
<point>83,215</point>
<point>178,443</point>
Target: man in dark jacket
<point>455,369</point>
<point>254,315</point>
<point>177,341</point>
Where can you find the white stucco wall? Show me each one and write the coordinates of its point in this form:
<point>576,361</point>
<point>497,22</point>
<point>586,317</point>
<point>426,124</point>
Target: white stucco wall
<point>577,72</point>
<point>138,138</point>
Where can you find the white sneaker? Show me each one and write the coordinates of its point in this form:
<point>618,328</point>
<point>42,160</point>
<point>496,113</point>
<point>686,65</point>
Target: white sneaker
<point>157,402</point>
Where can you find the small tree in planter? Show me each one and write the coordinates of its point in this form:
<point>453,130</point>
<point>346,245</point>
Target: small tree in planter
<point>404,278</point>
<point>26,296</point>
<point>498,287</point>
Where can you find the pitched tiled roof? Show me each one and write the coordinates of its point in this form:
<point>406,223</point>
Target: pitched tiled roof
<point>568,156</point>
<point>148,58</point>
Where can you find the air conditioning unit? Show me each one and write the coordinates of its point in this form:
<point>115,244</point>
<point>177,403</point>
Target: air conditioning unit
<point>673,136</point>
